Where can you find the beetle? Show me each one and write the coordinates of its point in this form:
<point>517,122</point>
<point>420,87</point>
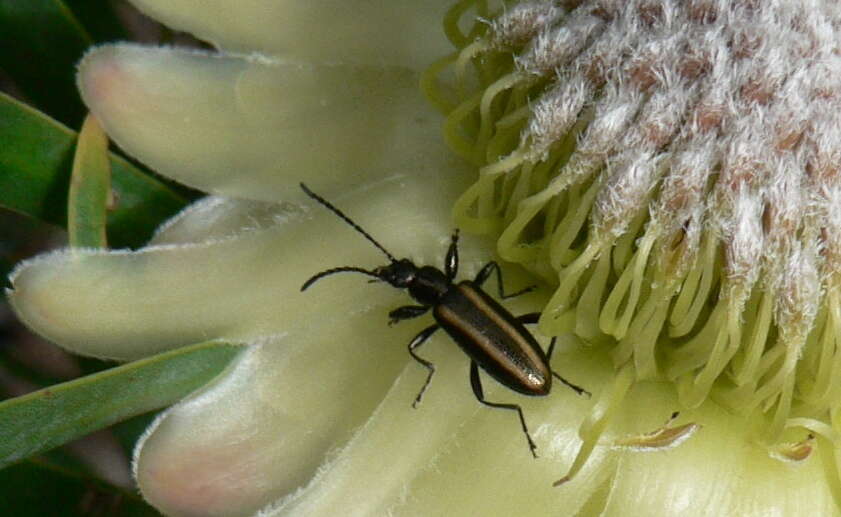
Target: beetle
<point>489,334</point>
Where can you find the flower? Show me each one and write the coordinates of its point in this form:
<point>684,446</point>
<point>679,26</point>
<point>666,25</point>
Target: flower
<point>314,417</point>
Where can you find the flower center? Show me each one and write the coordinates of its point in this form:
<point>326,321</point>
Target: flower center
<point>673,168</point>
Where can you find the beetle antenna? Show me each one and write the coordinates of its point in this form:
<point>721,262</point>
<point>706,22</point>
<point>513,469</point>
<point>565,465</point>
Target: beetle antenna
<point>335,270</point>
<point>348,220</point>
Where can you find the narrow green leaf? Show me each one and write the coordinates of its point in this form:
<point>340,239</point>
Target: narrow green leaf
<point>90,185</point>
<point>36,154</point>
<point>40,45</point>
<point>41,489</point>
<point>50,417</point>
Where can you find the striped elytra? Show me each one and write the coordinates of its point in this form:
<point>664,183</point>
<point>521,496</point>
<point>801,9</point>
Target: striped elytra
<point>492,337</point>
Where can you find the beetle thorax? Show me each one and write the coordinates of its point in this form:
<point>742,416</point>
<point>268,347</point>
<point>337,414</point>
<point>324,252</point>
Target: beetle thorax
<point>428,285</point>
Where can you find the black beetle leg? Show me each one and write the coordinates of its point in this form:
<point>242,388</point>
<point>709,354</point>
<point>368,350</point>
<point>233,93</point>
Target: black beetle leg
<point>476,384</point>
<point>485,273</point>
<point>531,318</point>
<point>451,261</point>
<point>416,343</point>
<point>573,387</point>
<point>405,313</point>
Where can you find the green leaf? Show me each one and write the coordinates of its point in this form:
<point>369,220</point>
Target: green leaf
<point>36,153</point>
<point>41,489</point>
<point>50,417</point>
<point>90,185</point>
<point>40,45</point>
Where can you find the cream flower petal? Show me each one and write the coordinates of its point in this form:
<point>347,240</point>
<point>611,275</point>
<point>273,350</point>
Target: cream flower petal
<point>265,426</point>
<point>215,218</point>
<point>454,456</point>
<point>126,305</point>
<point>379,32</point>
<point>253,127</point>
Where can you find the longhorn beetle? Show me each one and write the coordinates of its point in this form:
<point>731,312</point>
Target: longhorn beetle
<point>491,336</point>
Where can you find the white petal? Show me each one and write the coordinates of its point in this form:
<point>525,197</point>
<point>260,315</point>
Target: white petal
<point>393,32</point>
<point>453,456</point>
<point>254,128</point>
<point>264,428</point>
<point>130,304</point>
<point>215,218</point>
<point>396,443</point>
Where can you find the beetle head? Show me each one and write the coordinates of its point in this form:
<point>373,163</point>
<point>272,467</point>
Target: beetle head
<point>399,273</point>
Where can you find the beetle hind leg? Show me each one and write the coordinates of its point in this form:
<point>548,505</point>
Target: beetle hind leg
<point>476,384</point>
<point>573,387</point>
<point>416,343</point>
<point>485,273</point>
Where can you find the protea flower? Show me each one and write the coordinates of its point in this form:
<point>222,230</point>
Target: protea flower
<point>667,169</point>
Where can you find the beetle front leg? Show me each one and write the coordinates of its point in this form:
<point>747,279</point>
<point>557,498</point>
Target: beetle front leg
<point>476,384</point>
<point>405,313</point>
<point>485,273</point>
<point>532,318</point>
<point>451,260</point>
<point>416,343</point>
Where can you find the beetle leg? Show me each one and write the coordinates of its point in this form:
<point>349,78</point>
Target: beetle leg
<point>476,384</point>
<point>451,261</point>
<point>486,271</point>
<point>573,387</point>
<point>531,318</point>
<point>416,343</point>
<point>406,312</point>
